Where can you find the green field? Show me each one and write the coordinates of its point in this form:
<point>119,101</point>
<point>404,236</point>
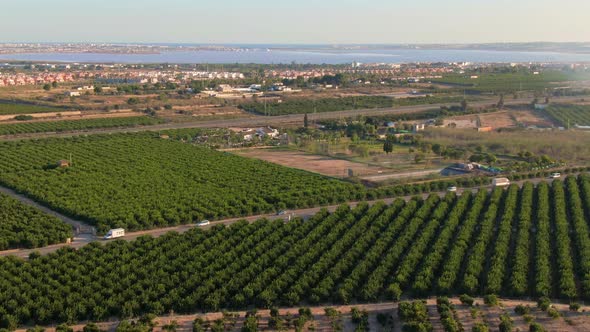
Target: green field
<point>21,108</point>
<point>301,106</point>
<point>511,242</point>
<point>569,115</point>
<point>74,125</point>
<point>568,145</point>
<point>139,181</point>
<point>24,226</point>
<point>510,82</point>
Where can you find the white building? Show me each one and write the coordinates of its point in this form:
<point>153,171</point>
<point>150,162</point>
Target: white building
<point>268,131</point>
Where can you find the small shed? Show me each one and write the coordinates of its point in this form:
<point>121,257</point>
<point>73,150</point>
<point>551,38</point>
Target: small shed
<point>63,163</point>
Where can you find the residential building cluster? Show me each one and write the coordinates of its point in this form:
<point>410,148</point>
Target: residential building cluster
<point>394,71</point>
<point>249,134</point>
<point>12,79</point>
<point>175,76</point>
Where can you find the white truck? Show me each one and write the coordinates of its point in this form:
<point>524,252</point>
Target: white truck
<point>115,233</point>
<point>500,182</point>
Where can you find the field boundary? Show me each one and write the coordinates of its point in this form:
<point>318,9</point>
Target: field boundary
<point>78,226</point>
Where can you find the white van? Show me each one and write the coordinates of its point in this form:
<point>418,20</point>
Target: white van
<point>554,175</point>
<point>115,233</point>
<point>500,182</point>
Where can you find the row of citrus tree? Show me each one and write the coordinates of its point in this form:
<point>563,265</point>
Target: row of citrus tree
<point>440,245</point>
<point>22,226</point>
<point>75,125</point>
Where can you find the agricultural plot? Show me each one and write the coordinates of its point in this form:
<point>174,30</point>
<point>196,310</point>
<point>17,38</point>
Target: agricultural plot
<point>138,181</point>
<point>509,82</point>
<point>74,125</point>
<point>501,119</point>
<point>22,226</point>
<point>18,108</point>
<point>301,106</point>
<point>312,162</point>
<point>449,245</point>
<point>570,115</point>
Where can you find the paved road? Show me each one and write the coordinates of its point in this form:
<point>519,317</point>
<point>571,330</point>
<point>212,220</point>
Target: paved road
<point>302,213</point>
<point>85,239</point>
<point>281,120</point>
<point>249,121</point>
<point>382,177</point>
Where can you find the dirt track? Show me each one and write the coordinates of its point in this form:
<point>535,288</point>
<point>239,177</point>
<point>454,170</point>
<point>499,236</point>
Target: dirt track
<point>569,321</point>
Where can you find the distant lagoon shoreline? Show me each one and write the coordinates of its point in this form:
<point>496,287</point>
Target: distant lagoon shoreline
<point>282,56</point>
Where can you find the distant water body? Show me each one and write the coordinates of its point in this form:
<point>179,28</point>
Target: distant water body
<point>263,56</point>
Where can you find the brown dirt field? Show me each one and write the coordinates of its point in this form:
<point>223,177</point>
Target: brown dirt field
<point>313,163</point>
<point>74,115</point>
<point>490,315</point>
<point>464,315</point>
<point>502,119</point>
<point>205,110</point>
<point>345,92</point>
<point>497,120</point>
<point>461,123</point>
<point>531,118</point>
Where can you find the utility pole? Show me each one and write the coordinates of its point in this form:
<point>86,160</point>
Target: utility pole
<point>314,113</point>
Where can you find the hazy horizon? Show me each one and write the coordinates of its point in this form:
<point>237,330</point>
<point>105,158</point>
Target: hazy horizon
<point>304,22</point>
<point>196,43</point>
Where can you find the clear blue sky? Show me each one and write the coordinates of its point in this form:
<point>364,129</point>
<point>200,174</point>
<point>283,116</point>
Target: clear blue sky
<point>295,21</point>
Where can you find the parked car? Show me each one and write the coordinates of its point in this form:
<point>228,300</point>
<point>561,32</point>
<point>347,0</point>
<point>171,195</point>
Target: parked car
<point>554,175</point>
<point>452,188</point>
<point>203,223</point>
<point>281,213</point>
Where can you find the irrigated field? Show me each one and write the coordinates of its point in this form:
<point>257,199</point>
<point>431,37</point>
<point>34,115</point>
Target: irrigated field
<point>24,226</point>
<point>140,181</point>
<point>73,125</point>
<point>301,106</point>
<point>514,242</point>
<point>570,115</point>
<point>568,145</point>
<point>510,82</point>
<point>19,108</point>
